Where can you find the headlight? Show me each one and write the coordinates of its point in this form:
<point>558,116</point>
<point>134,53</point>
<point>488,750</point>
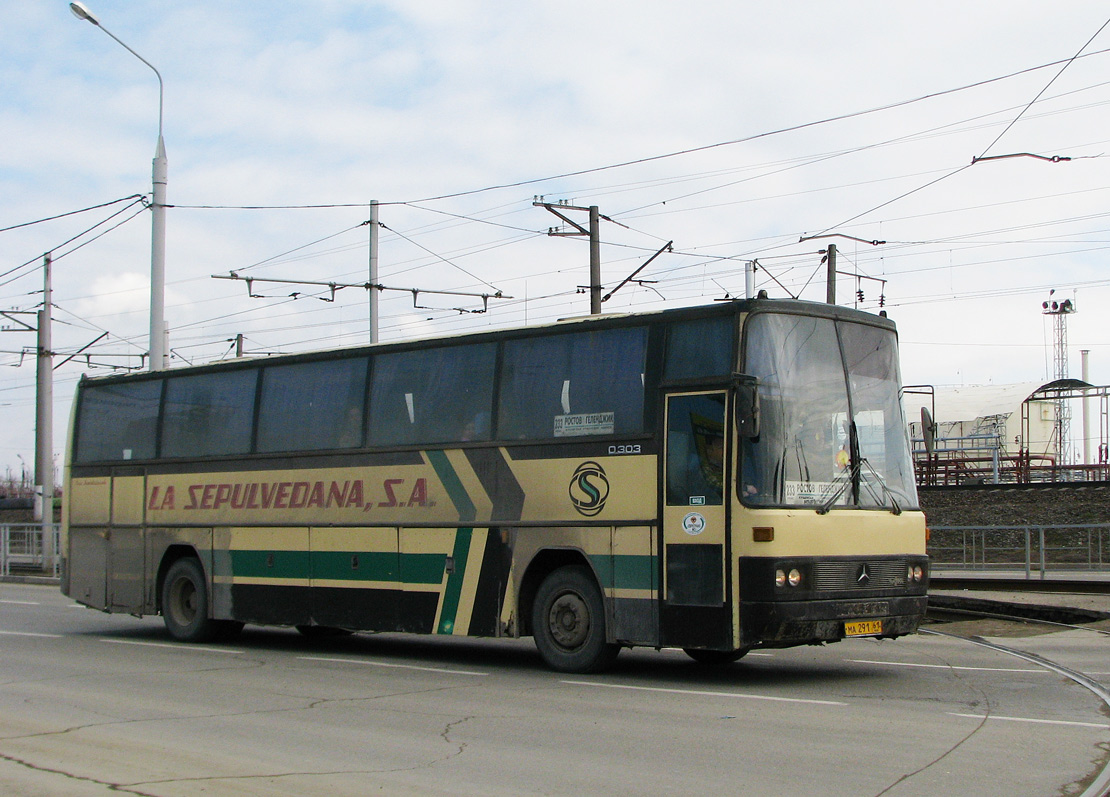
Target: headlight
<point>919,573</point>
<point>793,577</point>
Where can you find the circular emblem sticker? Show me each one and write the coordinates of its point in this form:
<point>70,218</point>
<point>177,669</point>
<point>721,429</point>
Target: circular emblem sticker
<point>589,488</point>
<point>693,523</point>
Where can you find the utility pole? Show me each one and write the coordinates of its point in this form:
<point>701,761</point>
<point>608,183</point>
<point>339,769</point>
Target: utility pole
<point>595,261</point>
<point>44,419</point>
<point>830,261</point>
<point>1084,359</point>
<point>593,233</point>
<point>373,271</point>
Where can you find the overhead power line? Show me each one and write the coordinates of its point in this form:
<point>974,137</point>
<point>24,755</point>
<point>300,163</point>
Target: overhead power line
<point>766,134</point>
<point>677,153</point>
<point>333,287</point>
<point>70,213</point>
<point>1040,93</point>
<point>137,199</point>
<point>1064,65</point>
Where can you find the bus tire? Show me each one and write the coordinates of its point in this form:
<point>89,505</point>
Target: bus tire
<point>715,658</point>
<point>568,622</point>
<point>185,603</point>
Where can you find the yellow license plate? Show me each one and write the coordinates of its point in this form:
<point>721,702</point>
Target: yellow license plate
<point>863,628</point>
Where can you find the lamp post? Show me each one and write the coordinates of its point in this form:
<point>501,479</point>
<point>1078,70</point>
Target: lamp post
<point>157,210</point>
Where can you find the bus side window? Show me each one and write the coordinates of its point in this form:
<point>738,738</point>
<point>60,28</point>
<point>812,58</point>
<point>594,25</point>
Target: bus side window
<point>118,422</point>
<point>551,386</point>
<point>312,406</point>
<point>439,395</point>
<point>700,348</point>
<point>208,414</point>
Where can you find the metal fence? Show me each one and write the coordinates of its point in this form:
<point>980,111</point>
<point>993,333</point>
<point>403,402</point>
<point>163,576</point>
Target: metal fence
<point>1034,549</point>
<point>22,550</point>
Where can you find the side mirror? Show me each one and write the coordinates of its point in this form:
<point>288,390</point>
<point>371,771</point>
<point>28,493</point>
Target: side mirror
<point>928,431</point>
<point>747,407</point>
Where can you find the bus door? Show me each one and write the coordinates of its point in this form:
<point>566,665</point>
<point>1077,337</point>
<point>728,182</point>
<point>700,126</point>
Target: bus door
<point>126,564</point>
<point>696,478</point>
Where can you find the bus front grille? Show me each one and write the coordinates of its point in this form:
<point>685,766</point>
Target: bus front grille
<point>859,574</point>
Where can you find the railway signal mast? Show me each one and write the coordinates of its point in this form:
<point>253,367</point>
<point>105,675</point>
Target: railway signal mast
<point>1059,312</point>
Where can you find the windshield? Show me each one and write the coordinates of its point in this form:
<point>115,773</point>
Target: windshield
<point>832,430</point>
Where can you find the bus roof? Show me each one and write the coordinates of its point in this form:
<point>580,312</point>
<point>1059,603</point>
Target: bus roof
<point>720,308</point>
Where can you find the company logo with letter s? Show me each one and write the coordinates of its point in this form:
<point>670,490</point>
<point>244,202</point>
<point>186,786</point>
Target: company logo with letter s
<point>589,488</point>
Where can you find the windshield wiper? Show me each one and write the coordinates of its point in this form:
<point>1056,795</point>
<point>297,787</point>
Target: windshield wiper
<point>852,476</point>
<point>844,478</point>
<point>894,507</point>
<point>849,476</point>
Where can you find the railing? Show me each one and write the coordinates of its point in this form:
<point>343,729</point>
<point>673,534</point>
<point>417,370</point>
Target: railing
<point>947,469</point>
<point>1034,549</point>
<point>22,550</point>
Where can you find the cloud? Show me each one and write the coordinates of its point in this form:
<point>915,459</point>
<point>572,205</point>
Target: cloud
<point>343,102</point>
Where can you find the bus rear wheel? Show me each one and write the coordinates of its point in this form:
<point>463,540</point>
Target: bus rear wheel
<point>185,603</point>
<point>715,658</point>
<point>568,622</point>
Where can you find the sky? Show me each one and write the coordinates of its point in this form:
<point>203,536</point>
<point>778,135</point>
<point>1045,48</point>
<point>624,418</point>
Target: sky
<point>731,129</point>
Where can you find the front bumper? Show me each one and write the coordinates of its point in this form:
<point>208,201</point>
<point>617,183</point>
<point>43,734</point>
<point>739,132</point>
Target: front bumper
<point>786,623</point>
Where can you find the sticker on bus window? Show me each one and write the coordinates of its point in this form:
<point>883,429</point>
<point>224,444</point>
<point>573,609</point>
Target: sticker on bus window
<point>811,492</point>
<point>585,423</point>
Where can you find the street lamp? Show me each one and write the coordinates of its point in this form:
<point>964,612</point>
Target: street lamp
<point>158,214</point>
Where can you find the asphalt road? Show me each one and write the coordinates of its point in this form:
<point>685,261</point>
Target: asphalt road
<point>92,704</point>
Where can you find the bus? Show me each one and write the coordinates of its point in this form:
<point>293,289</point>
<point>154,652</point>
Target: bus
<point>715,479</point>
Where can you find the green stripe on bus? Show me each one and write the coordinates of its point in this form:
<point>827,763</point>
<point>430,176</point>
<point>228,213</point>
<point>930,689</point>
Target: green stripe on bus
<point>625,571</point>
<point>455,490</point>
<point>422,568</point>
<point>453,591</point>
<point>415,568</point>
<point>355,565</point>
<point>270,564</point>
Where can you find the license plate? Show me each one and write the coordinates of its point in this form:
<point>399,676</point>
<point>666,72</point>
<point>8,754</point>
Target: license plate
<point>863,628</point>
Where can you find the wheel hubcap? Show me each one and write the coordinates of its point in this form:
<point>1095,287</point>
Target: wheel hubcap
<point>184,606</point>
<point>569,620</point>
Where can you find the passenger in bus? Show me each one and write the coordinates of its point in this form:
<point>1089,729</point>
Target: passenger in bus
<point>705,470</point>
<point>477,428</point>
<point>350,435</point>
<point>749,469</point>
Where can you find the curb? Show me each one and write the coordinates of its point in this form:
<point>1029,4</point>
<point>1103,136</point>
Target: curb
<point>45,580</point>
<point>1066,615</point>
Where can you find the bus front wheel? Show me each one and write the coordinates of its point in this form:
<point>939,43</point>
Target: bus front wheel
<point>185,603</point>
<point>568,622</point>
